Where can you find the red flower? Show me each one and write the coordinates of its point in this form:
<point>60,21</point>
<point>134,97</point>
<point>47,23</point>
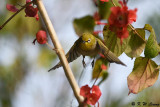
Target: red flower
<point>41,37</point>
<point>122,33</point>
<point>96,16</point>
<point>97,32</point>
<point>11,8</point>
<point>120,18</point>
<point>101,55</point>
<point>85,90</point>
<point>103,67</point>
<point>91,95</point>
<point>104,0</point>
<point>27,1</point>
<point>100,23</point>
<point>96,91</point>
<point>132,16</point>
<point>92,99</point>
<point>32,12</point>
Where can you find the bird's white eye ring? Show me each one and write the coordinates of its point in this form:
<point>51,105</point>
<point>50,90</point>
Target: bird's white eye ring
<point>89,40</point>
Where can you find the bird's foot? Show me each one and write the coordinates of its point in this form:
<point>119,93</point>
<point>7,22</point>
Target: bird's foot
<point>83,62</point>
<point>92,63</point>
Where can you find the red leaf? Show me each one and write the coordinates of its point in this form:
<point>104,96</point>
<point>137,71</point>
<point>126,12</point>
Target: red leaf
<point>11,8</point>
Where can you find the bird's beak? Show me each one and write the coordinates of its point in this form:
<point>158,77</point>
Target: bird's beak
<point>84,41</point>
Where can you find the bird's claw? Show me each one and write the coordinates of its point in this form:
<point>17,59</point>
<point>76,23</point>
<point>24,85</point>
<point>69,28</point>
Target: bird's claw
<point>92,63</point>
<point>84,64</point>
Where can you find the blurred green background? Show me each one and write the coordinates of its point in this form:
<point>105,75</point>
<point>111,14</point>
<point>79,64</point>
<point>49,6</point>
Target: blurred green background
<point>24,80</point>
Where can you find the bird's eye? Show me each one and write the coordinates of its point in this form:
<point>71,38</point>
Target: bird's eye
<point>89,40</point>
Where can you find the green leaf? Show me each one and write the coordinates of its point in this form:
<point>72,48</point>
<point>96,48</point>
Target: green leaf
<point>152,48</point>
<point>113,42</point>
<point>104,8</point>
<point>144,74</point>
<point>136,44</point>
<point>97,69</point>
<point>84,24</point>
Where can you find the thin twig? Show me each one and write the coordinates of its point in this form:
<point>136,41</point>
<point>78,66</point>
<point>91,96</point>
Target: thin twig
<point>49,46</point>
<point>96,79</point>
<point>136,32</point>
<point>60,52</point>
<point>113,3</point>
<point>16,14</point>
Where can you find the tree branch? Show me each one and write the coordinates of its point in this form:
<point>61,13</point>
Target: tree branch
<point>15,14</point>
<point>60,52</point>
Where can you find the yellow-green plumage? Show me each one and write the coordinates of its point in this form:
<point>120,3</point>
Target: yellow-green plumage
<point>88,45</point>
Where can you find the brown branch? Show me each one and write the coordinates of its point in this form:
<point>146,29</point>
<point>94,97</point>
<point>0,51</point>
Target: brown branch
<point>16,14</point>
<point>60,52</point>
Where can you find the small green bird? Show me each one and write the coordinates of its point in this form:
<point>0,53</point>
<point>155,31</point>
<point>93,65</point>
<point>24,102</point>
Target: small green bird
<point>88,45</point>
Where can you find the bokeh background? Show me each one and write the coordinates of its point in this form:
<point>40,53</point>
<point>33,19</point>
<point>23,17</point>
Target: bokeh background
<point>24,80</point>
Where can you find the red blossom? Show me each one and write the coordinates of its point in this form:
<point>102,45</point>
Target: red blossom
<point>132,16</point>
<point>120,18</point>
<point>96,91</point>
<point>101,55</point>
<point>91,95</point>
<point>11,8</point>
<point>100,23</point>
<point>97,32</point>
<point>104,1</point>
<point>92,99</point>
<point>122,33</point>
<point>41,37</point>
<point>32,12</point>
<point>27,1</point>
<point>103,67</point>
<point>96,16</point>
<point>85,90</point>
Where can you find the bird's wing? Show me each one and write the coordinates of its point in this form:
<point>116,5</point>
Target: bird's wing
<point>71,55</point>
<point>111,57</point>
